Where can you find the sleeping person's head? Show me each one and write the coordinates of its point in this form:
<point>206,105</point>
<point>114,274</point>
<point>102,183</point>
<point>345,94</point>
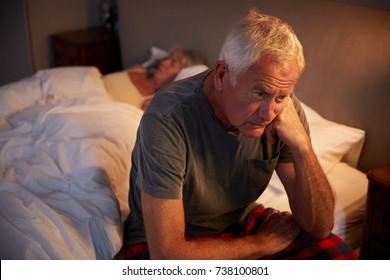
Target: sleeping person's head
<point>178,59</point>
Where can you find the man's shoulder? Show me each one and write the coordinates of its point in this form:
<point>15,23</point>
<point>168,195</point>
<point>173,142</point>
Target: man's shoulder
<point>177,97</point>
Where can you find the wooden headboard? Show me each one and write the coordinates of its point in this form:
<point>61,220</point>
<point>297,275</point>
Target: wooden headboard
<point>347,50</point>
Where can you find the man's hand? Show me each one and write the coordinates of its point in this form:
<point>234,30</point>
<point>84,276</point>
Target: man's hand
<point>277,232</point>
<point>288,127</point>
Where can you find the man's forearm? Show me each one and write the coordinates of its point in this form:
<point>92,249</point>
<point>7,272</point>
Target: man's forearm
<point>273,235</point>
<point>313,200</point>
<point>165,228</point>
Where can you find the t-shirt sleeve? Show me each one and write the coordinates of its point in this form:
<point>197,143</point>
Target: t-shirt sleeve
<point>160,157</point>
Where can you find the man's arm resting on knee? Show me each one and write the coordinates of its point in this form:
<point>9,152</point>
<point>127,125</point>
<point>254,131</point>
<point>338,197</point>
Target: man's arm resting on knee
<point>165,230</point>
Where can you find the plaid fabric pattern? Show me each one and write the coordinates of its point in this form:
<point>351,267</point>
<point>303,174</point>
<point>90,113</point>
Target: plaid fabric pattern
<point>307,248</point>
<point>303,247</point>
<point>137,252</point>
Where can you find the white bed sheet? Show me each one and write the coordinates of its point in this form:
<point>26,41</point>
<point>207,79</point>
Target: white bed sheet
<point>350,188</point>
<point>64,172</point>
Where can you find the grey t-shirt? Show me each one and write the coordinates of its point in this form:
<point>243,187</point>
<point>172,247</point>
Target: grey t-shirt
<point>184,152</point>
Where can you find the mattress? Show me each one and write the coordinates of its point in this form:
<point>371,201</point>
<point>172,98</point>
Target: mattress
<point>350,189</point>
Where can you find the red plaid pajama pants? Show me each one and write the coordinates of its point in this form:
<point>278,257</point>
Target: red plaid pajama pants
<point>303,247</point>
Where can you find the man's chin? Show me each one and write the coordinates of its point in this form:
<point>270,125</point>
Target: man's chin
<point>253,133</point>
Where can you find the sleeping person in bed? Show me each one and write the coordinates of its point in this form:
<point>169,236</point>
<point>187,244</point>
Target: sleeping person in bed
<point>138,84</point>
<point>207,147</point>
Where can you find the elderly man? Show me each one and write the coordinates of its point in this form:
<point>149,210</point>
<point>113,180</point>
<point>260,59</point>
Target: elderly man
<point>207,147</point>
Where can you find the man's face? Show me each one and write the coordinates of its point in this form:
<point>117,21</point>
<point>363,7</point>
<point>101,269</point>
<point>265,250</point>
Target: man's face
<point>259,95</point>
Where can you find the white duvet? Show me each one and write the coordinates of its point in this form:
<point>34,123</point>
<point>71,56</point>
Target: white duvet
<point>65,152</point>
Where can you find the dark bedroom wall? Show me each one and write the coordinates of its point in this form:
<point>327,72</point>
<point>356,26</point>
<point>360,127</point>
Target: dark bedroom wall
<point>164,15</point>
<point>48,17</point>
<point>26,27</point>
<point>14,47</point>
<point>380,4</point>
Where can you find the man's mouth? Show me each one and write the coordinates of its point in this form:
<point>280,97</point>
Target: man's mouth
<point>259,125</point>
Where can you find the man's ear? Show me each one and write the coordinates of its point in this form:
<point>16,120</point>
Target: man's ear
<point>221,70</point>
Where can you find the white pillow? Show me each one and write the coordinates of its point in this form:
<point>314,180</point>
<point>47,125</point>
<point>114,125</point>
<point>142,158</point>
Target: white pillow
<point>65,83</point>
<point>333,142</point>
<point>156,54</point>
<point>190,71</point>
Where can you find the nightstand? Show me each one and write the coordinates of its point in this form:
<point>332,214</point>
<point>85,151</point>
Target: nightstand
<point>376,229</point>
<point>97,46</point>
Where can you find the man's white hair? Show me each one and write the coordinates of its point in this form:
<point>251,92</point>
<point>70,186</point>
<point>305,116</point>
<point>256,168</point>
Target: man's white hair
<point>258,35</point>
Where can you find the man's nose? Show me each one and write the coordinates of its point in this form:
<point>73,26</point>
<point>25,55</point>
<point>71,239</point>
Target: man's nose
<point>267,110</point>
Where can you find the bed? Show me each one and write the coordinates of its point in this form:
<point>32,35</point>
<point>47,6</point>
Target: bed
<point>65,148</point>
<point>65,156</point>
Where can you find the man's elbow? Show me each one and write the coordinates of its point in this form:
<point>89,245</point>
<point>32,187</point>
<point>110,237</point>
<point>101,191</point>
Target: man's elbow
<point>166,254</point>
<point>161,255</point>
<point>320,232</point>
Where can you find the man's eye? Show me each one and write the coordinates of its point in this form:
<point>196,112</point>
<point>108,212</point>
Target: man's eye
<point>281,98</point>
<point>261,94</point>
